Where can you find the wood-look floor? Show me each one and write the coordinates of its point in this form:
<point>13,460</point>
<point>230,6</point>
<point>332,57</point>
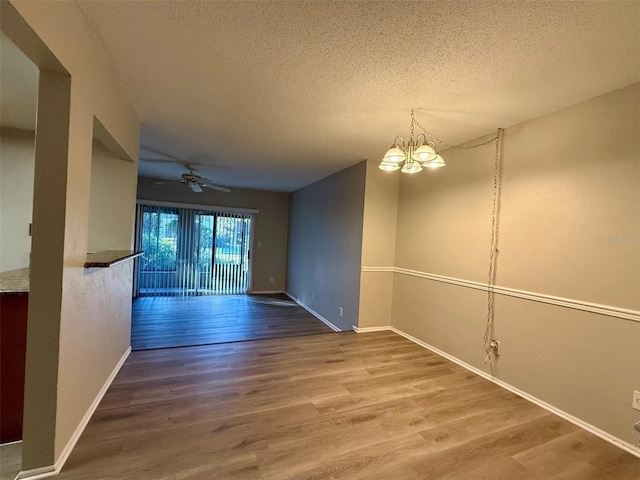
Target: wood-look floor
<point>336,406</point>
<point>161,322</point>
<point>10,460</point>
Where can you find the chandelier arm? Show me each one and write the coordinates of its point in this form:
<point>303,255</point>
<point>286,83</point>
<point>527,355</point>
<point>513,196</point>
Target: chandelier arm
<point>457,147</point>
<point>395,141</point>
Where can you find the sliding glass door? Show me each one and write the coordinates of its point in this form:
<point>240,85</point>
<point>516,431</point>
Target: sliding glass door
<point>192,251</point>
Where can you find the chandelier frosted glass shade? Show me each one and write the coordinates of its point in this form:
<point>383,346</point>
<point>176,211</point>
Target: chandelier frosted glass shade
<point>411,167</point>
<point>388,166</point>
<point>437,162</point>
<point>394,155</point>
<point>424,153</point>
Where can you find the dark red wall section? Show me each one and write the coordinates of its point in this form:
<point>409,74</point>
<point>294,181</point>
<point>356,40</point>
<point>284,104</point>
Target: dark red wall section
<point>13,345</point>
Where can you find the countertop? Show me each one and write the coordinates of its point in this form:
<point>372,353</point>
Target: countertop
<point>15,281</point>
<point>108,258</point>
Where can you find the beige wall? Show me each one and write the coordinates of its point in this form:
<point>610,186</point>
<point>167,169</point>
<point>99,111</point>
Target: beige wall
<point>325,245</point>
<point>109,229</point>
<point>570,184</point>
<point>570,181</point>
<point>272,222</point>
<point>76,333</point>
<point>17,159</point>
<point>378,246</point>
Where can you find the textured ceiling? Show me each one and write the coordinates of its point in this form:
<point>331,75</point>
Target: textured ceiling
<point>18,87</point>
<point>280,94</point>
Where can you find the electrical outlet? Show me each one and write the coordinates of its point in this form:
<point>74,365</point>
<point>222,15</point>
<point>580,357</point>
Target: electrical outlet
<point>313,295</point>
<point>259,244</point>
<point>270,279</point>
<point>636,399</point>
<point>340,311</point>
<point>495,346</point>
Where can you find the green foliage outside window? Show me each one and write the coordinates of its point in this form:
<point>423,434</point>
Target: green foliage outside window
<point>159,242</point>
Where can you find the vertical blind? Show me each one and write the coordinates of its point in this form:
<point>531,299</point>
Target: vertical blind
<point>192,251</point>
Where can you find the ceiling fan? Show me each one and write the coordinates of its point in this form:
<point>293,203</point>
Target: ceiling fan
<point>194,181</point>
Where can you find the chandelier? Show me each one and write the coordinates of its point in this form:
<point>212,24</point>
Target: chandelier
<point>412,156</point>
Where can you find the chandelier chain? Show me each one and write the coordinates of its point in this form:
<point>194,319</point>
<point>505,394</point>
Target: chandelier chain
<point>413,122</point>
<point>450,145</point>
<point>488,334</point>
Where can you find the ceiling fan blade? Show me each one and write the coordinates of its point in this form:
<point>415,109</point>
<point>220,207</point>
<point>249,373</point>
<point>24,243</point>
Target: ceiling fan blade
<point>168,181</point>
<point>215,187</point>
<point>150,151</point>
<point>160,160</point>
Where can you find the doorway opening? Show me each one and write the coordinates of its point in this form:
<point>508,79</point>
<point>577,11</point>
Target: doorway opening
<point>192,282</point>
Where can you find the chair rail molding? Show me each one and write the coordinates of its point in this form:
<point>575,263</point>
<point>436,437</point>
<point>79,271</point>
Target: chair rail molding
<point>607,310</point>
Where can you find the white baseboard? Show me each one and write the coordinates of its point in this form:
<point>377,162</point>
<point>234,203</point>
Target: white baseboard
<point>541,403</point>
<point>266,292</point>
<point>10,443</point>
<point>53,470</point>
<point>87,416</point>
<point>370,329</point>
<point>38,473</point>
<point>314,313</point>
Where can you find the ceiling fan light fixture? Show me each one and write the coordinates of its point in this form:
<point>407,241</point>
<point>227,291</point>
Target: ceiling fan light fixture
<point>193,180</point>
<point>195,187</point>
